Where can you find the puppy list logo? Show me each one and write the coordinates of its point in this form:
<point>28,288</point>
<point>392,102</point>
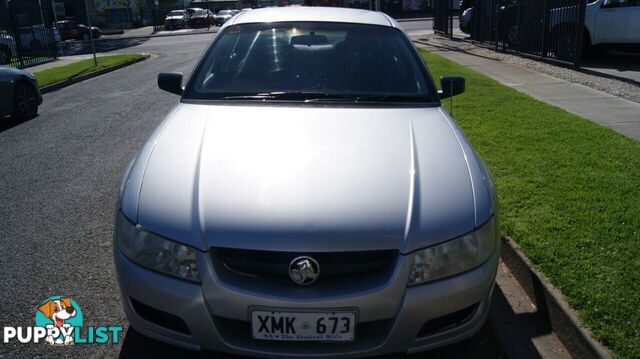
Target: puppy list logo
<point>59,322</point>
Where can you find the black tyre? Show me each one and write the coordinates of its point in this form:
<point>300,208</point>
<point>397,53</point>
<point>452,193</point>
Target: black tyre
<point>590,51</point>
<point>25,101</point>
<point>513,36</point>
<point>85,36</point>
<point>563,44</point>
<point>5,55</point>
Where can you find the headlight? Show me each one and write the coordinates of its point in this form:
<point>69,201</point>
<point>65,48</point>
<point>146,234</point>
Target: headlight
<point>157,253</point>
<point>455,256</point>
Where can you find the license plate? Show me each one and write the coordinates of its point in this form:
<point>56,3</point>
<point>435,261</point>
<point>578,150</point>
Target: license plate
<point>303,326</point>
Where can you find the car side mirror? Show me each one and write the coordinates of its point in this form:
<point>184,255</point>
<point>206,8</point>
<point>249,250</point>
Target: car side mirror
<point>451,86</point>
<point>171,82</point>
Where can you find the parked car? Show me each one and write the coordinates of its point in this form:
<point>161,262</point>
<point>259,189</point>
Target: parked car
<point>198,18</point>
<point>465,20</point>
<point>68,29</point>
<point>20,93</point>
<point>608,24</point>
<point>176,19</point>
<point>309,195</point>
<point>7,48</point>
<point>223,16</point>
<point>38,37</point>
<point>464,5</point>
<point>211,16</point>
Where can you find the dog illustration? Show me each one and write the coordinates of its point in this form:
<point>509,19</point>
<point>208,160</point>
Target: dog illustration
<point>59,311</point>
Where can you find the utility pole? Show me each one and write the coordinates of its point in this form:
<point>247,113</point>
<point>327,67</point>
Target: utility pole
<point>93,48</point>
<point>55,19</point>
<point>44,28</point>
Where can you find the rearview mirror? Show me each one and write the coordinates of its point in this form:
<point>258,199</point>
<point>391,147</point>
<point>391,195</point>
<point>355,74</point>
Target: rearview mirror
<point>171,82</point>
<point>451,86</point>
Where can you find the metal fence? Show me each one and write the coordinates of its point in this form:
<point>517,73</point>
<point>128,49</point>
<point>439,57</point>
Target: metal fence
<point>547,29</point>
<point>26,35</point>
<point>443,17</point>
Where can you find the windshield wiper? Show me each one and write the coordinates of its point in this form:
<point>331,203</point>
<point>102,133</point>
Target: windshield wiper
<point>291,95</point>
<point>323,96</point>
<point>391,98</point>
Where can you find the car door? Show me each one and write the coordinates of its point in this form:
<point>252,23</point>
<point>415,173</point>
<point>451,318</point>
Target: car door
<point>613,22</point>
<point>632,36</point>
<point>73,29</point>
<point>63,30</point>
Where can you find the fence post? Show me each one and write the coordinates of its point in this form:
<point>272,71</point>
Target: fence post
<point>16,35</point>
<point>545,28</point>
<point>496,10</point>
<point>450,18</point>
<point>93,48</point>
<point>579,36</point>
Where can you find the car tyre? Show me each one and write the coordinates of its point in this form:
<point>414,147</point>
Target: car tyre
<point>25,101</point>
<point>513,37</point>
<point>563,44</point>
<point>85,36</point>
<point>590,51</point>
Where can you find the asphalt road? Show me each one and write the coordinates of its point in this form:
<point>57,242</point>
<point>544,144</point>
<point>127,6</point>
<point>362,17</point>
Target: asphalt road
<point>59,175</point>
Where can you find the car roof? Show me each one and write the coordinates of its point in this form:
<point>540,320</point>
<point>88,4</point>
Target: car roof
<point>313,14</point>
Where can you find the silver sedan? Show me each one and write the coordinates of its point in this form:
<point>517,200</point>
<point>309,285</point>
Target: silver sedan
<point>19,93</point>
<point>308,196</point>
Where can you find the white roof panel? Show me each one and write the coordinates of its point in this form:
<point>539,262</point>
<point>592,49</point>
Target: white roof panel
<point>319,14</point>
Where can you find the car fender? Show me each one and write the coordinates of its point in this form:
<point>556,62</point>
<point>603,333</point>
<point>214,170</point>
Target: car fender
<point>6,91</point>
<point>590,17</point>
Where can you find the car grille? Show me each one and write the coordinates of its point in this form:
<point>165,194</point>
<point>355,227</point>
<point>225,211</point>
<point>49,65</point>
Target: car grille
<point>334,266</point>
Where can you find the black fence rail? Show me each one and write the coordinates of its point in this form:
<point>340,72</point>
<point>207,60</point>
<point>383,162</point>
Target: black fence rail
<point>547,29</point>
<point>26,35</point>
<point>443,17</point>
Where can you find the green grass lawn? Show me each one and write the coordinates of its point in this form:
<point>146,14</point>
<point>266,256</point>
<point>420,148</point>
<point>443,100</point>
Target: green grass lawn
<point>67,72</point>
<point>569,196</point>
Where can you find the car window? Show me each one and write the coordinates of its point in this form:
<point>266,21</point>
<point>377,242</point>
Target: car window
<point>176,13</point>
<point>349,60</point>
<point>225,12</point>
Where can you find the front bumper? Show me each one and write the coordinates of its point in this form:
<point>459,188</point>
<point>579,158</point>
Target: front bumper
<point>392,317</point>
<point>220,22</point>
<point>174,24</point>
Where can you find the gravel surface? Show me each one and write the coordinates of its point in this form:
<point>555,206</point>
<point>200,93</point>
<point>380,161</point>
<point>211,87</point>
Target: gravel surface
<point>611,86</point>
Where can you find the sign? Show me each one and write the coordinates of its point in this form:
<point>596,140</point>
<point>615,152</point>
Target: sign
<point>58,7</point>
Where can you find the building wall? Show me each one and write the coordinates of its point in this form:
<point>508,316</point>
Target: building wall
<point>123,13</point>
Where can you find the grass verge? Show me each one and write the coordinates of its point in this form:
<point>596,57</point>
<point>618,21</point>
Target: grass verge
<point>569,194</point>
<point>68,72</point>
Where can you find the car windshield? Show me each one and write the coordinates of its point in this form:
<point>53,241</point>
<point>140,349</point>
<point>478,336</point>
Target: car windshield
<point>307,61</point>
<point>225,12</point>
<point>176,13</point>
